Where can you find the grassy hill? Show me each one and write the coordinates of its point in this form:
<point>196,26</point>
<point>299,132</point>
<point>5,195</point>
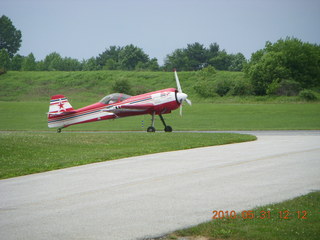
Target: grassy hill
<point>93,85</point>
<point>27,94</point>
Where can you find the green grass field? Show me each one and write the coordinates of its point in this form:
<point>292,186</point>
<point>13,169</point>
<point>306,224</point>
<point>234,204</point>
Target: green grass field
<point>93,85</point>
<point>26,152</point>
<point>299,219</point>
<point>24,100</point>
<point>206,116</point>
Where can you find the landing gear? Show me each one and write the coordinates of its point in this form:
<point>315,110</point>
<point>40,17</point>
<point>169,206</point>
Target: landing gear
<point>59,130</point>
<point>166,128</point>
<point>152,128</point>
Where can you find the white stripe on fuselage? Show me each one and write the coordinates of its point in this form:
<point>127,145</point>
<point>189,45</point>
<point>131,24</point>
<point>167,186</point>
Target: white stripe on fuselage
<point>74,118</point>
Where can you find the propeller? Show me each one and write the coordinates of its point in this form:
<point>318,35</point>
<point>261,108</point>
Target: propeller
<point>180,95</point>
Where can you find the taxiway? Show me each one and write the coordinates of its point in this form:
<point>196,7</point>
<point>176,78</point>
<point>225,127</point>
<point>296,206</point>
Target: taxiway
<point>148,196</point>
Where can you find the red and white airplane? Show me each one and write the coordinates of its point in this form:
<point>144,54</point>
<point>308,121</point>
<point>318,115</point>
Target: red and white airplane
<point>116,105</point>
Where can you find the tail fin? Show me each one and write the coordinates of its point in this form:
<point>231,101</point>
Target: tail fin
<point>59,105</point>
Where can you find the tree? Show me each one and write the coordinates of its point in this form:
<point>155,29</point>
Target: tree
<point>222,61</point>
<point>16,62</point>
<point>213,50</point>
<point>109,57</point>
<point>130,56</point>
<point>122,86</point>
<point>153,65</point>
<point>237,62</point>
<point>29,63</point>
<point>197,56</point>
<point>177,59</point>
<point>90,65</point>
<point>4,60</point>
<point>111,64</point>
<point>52,62</point>
<point>286,61</point>
<point>10,37</point>
<point>70,64</point>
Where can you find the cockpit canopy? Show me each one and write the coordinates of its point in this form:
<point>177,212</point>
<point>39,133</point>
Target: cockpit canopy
<point>114,97</point>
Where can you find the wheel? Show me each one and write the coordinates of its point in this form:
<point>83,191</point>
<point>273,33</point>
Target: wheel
<point>59,130</point>
<point>151,129</point>
<point>168,129</point>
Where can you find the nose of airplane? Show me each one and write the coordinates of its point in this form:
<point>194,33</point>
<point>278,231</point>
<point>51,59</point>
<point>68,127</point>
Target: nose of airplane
<point>181,97</point>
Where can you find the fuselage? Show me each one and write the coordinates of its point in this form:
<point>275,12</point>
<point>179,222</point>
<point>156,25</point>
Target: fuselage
<point>117,106</point>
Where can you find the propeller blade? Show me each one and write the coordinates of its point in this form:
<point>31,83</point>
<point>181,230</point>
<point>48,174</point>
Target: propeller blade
<point>180,96</point>
<point>177,81</point>
<point>189,102</point>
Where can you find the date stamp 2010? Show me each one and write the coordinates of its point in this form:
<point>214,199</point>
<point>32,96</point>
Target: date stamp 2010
<point>250,214</point>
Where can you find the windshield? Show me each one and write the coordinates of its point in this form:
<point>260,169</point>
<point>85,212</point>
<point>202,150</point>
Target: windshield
<point>114,97</point>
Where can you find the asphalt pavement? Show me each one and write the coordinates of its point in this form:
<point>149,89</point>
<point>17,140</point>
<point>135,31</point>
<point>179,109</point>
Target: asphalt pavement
<point>149,196</point>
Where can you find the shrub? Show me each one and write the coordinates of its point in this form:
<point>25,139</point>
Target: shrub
<point>122,86</point>
<point>206,74</point>
<point>308,95</point>
<point>209,70</point>
<point>140,89</point>
<point>205,88</point>
<point>241,88</point>
<point>285,87</point>
<point>289,88</point>
<point>222,87</point>
<point>2,71</point>
<point>205,85</point>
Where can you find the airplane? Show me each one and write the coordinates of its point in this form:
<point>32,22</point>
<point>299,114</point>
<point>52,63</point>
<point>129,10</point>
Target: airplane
<point>61,114</point>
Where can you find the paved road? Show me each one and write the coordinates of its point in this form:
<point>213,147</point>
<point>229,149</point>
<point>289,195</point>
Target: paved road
<point>141,197</point>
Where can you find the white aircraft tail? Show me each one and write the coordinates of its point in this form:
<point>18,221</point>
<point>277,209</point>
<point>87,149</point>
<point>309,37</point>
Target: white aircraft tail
<point>59,105</point>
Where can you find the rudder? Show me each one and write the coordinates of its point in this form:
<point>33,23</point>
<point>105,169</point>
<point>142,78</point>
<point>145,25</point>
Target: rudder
<point>59,104</point>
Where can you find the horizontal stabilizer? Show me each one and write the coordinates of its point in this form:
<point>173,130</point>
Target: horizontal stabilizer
<point>61,113</point>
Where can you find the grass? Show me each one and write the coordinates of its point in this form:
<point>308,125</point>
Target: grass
<point>26,152</point>
<point>24,100</point>
<point>93,85</point>
<point>205,116</point>
<point>84,86</point>
<point>275,227</point>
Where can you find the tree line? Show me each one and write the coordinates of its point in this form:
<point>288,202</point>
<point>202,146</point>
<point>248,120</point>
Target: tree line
<point>195,57</point>
<point>286,67</point>
<point>128,58</point>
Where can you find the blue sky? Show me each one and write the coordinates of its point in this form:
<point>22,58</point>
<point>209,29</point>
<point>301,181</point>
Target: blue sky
<point>85,28</point>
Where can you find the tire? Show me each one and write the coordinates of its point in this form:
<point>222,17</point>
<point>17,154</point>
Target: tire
<point>168,129</point>
<point>151,129</point>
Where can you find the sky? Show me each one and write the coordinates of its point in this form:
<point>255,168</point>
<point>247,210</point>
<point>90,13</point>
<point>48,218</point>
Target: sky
<point>85,28</point>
